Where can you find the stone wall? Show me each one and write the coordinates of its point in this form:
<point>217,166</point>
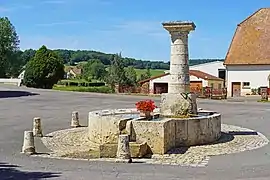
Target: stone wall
<point>163,135</point>
<point>105,126</point>
<point>151,132</point>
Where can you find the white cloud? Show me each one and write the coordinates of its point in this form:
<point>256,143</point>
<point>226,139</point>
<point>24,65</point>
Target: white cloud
<point>148,28</point>
<point>61,23</point>
<point>35,42</point>
<point>13,7</point>
<point>4,9</point>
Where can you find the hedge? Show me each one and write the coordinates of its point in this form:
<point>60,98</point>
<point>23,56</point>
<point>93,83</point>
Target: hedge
<point>84,84</point>
<point>101,89</point>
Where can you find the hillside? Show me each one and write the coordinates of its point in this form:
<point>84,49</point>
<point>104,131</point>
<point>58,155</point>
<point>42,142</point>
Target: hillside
<point>72,57</point>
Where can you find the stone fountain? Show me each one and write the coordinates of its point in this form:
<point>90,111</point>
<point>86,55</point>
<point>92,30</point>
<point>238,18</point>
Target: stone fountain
<point>176,123</point>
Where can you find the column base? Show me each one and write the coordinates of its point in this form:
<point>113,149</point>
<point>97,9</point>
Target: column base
<point>177,105</point>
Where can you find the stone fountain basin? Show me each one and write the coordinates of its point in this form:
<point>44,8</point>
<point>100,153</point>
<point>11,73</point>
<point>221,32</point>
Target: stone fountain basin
<point>161,135</point>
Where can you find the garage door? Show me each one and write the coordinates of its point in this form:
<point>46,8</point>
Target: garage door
<point>160,88</point>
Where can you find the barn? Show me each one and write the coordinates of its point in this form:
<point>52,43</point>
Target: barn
<point>248,59</point>
<point>198,81</point>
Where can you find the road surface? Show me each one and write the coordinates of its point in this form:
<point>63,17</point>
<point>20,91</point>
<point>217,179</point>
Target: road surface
<point>17,111</point>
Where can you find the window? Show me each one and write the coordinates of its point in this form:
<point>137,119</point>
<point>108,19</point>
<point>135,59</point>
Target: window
<point>212,85</point>
<point>219,86</point>
<point>222,73</point>
<point>246,84</point>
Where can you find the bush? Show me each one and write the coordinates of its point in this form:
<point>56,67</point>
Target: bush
<point>101,89</point>
<point>44,70</point>
<point>254,91</point>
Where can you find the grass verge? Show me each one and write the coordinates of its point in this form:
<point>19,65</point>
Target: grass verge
<point>264,101</point>
<point>100,89</point>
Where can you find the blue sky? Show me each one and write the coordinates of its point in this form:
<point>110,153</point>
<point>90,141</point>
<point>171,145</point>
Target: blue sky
<point>132,27</point>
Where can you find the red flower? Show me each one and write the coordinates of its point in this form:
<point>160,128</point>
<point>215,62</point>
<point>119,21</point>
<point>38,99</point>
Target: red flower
<point>146,105</point>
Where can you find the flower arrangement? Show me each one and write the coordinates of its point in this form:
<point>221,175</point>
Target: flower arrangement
<point>146,105</point>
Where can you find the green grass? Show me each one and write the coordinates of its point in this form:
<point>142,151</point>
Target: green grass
<point>79,80</point>
<point>74,80</point>
<point>154,72</point>
<point>264,101</point>
<point>101,89</point>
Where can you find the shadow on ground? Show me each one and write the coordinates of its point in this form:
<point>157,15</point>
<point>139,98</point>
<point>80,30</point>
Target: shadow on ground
<point>10,94</point>
<point>8,171</point>
<point>224,138</point>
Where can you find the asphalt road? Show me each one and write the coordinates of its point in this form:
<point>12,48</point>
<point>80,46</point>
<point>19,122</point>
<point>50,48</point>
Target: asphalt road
<point>17,111</point>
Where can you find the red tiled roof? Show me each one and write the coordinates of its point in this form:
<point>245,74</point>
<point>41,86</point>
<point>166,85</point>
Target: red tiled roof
<point>204,75</point>
<point>195,73</point>
<point>251,41</point>
<point>154,77</point>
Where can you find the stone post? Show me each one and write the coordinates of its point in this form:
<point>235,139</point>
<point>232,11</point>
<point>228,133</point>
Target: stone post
<point>37,130</point>
<point>75,119</point>
<point>28,143</point>
<point>123,150</point>
<point>175,102</point>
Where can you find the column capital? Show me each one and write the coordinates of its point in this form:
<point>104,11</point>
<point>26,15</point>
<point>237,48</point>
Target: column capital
<point>176,34</point>
<point>181,27</point>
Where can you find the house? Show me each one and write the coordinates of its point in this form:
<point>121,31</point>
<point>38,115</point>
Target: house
<point>215,68</point>
<point>248,59</point>
<point>72,71</point>
<point>198,80</point>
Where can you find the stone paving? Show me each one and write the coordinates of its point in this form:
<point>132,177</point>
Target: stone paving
<point>74,144</point>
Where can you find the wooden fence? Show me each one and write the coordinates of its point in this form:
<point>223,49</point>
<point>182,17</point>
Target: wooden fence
<point>205,92</point>
<point>211,93</point>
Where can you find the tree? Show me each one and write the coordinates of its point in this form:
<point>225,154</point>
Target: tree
<point>131,76</point>
<point>145,75</point>
<point>44,70</point>
<point>27,55</point>
<point>15,64</point>
<point>116,72</point>
<point>94,69</point>
<point>9,43</point>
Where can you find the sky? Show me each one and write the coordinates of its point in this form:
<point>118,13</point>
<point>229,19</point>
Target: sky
<point>131,27</point>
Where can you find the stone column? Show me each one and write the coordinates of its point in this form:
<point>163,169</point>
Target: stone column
<point>28,143</point>
<point>75,119</point>
<point>179,69</point>
<point>177,102</point>
<point>37,131</point>
<point>123,150</point>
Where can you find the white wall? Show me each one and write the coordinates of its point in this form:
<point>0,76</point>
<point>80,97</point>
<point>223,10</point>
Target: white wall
<point>164,79</point>
<point>11,81</point>
<point>257,75</point>
<point>210,68</point>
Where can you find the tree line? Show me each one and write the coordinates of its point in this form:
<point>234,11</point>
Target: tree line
<point>73,57</point>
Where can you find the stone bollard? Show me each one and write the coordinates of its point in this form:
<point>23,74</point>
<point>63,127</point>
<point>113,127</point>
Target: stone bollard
<point>123,150</point>
<point>75,119</point>
<point>37,131</point>
<point>28,143</point>
<point>193,103</point>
